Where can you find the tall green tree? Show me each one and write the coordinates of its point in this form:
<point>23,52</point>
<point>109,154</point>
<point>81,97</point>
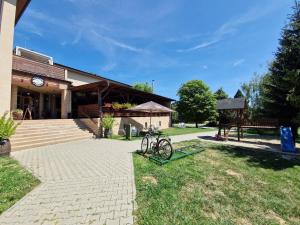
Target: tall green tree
<point>223,116</point>
<point>143,87</point>
<point>238,94</point>
<point>196,102</point>
<point>253,91</point>
<point>282,86</point>
<point>220,94</point>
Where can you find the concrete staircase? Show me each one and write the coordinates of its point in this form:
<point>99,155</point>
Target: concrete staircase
<point>35,133</point>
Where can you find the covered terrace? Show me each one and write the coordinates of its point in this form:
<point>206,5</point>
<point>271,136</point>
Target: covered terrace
<point>95,99</point>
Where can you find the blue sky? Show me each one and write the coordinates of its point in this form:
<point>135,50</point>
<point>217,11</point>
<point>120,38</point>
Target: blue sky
<point>170,41</point>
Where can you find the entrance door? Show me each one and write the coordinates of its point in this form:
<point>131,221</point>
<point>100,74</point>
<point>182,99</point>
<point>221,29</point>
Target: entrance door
<point>39,105</point>
<point>28,101</point>
<point>52,106</point>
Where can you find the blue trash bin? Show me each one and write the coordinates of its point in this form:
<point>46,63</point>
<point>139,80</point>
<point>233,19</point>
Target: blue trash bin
<point>287,143</point>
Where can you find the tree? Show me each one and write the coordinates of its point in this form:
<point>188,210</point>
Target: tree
<point>253,91</point>
<point>220,94</point>
<point>143,87</point>
<point>238,94</point>
<point>196,102</point>
<point>281,97</point>
<point>174,115</point>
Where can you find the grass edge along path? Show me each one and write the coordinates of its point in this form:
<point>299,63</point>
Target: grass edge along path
<point>15,182</point>
<point>172,131</point>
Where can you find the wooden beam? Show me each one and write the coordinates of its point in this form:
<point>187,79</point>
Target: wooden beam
<point>101,90</point>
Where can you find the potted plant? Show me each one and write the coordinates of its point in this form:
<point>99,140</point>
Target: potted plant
<point>17,114</point>
<point>107,123</point>
<point>7,129</point>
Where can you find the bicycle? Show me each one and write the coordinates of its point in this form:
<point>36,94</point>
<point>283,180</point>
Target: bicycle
<point>154,142</point>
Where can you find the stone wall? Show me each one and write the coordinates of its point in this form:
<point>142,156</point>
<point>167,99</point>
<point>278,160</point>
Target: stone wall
<point>139,122</point>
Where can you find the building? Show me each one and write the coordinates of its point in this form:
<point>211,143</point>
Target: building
<point>10,13</point>
<point>43,89</point>
<point>56,91</point>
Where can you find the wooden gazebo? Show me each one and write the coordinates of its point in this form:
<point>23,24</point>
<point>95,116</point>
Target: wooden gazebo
<point>238,108</point>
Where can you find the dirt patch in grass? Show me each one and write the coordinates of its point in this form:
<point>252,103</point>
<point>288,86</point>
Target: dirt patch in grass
<point>273,216</point>
<point>234,174</point>
<point>212,215</point>
<point>149,179</point>
<point>242,221</point>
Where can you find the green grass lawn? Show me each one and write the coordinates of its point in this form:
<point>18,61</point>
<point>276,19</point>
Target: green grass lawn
<point>221,185</point>
<point>15,182</point>
<point>172,131</point>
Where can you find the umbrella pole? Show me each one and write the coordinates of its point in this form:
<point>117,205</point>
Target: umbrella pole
<point>150,118</point>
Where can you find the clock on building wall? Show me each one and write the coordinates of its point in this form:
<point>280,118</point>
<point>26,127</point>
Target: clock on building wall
<point>37,81</point>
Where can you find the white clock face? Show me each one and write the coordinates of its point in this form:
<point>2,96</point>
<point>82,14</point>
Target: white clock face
<point>38,81</point>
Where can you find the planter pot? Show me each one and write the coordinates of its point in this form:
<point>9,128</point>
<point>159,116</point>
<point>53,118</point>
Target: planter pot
<point>17,116</point>
<point>107,133</point>
<point>5,148</point>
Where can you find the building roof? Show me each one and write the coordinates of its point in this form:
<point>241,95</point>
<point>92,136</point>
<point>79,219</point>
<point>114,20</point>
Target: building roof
<point>231,103</point>
<point>93,86</point>
<point>93,75</point>
<point>21,6</point>
<point>115,86</point>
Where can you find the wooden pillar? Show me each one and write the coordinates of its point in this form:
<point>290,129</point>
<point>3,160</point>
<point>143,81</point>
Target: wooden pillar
<point>238,125</point>
<point>220,127</point>
<point>100,102</point>
<point>41,106</point>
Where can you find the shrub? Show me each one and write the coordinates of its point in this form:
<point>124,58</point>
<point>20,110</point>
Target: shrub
<point>7,127</point>
<point>117,106</point>
<point>108,122</point>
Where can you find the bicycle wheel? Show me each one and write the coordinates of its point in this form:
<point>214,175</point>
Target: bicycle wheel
<point>165,149</point>
<point>145,145</point>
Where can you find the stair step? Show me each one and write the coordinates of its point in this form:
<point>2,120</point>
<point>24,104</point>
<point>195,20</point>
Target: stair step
<point>46,139</point>
<point>37,136</point>
<point>53,142</point>
<point>36,133</point>
<point>46,132</point>
<point>46,128</point>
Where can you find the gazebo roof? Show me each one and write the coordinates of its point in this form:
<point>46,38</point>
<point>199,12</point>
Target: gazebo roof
<point>151,107</point>
<point>231,103</point>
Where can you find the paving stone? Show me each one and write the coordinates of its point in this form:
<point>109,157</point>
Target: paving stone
<point>83,182</point>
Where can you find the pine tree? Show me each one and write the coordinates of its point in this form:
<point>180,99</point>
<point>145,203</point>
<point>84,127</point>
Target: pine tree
<point>238,94</point>
<point>281,95</point>
<point>220,94</point>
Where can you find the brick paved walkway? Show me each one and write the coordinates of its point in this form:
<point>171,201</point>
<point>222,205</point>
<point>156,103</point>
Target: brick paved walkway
<point>83,182</point>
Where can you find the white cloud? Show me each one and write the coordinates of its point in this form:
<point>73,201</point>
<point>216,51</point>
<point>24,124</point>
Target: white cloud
<point>205,67</point>
<point>201,45</point>
<point>238,62</point>
<point>231,27</point>
<point>116,43</point>
<point>109,67</point>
